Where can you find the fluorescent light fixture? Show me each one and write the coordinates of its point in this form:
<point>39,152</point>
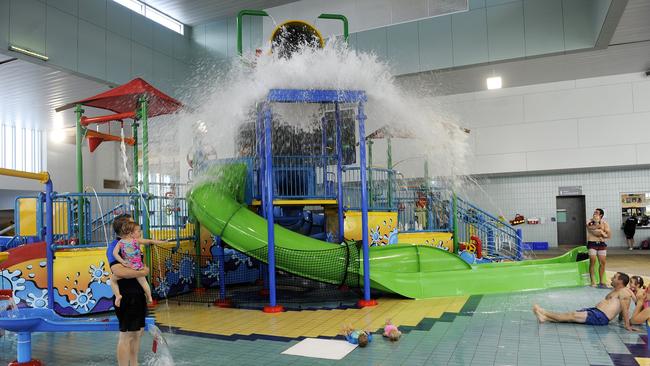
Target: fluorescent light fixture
<point>27,52</point>
<point>494,82</point>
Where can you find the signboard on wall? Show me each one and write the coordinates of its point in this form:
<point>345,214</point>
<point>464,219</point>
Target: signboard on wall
<point>570,191</point>
<point>636,205</point>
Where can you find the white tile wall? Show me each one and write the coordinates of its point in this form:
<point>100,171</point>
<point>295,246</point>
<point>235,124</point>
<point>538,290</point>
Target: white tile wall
<point>535,196</point>
<point>579,102</point>
<point>585,123</point>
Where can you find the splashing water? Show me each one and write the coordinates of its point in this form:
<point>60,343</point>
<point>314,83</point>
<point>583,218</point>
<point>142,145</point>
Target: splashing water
<point>160,356</point>
<point>229,99</point>
<point>126,177</point>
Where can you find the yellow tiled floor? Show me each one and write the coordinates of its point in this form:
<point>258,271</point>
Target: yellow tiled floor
<point>294,324</point>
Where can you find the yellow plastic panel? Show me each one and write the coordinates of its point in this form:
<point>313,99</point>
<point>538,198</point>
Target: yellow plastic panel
<point>60,218</point>
<point>434,239</point>
<point>27,216</point>
<point>381,225</point>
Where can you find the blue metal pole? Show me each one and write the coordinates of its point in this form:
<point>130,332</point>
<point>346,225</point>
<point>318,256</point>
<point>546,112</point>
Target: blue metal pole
<point>268,204</point>
<point>364,204</point>
<point>323,149</point>
<point>259,128</point>
<point>339,171</point>
<point>49,242</point>
<point>520,239</point>
<point>222,270</point>
<point>24,347</point>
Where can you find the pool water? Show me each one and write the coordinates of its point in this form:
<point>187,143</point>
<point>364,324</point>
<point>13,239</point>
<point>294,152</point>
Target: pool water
<point>489,330</point>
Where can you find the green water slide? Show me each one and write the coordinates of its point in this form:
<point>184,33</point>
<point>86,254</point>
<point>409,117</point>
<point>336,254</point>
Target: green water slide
<point>411,271</point>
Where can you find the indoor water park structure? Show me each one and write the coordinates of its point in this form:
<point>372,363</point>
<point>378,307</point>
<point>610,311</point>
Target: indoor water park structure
<point>299,218</point>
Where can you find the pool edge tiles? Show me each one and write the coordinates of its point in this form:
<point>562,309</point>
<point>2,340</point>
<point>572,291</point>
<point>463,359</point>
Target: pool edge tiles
<point>242,324</point>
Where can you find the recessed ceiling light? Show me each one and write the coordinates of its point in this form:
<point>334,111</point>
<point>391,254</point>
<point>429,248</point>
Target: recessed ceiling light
<point>494,82</point>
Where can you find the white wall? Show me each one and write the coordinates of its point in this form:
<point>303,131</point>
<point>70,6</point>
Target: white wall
<point>535,196</point>
<point>362,14</point>
<point>586,123</point>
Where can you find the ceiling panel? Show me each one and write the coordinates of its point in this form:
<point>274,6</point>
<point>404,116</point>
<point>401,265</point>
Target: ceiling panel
<point>634,25</point>
<point>192,12</point>
<point>30,92</point>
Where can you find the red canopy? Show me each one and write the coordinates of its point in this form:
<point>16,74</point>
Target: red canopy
<point>124,98</point>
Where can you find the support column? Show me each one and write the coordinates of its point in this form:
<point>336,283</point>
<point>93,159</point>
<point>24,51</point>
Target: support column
<point>197,250</point>
<point>389,165</point>
<point>339,172</point>
<point>136,184</point>
<point>273,307</point>
<point>221,302</point>
<point>323,148</point>
<point>366,301</point>
<point>146,233</point>
<point>24,350</point>
<point>49,242</point>
<point>81,219</point>
<point>370,198</point>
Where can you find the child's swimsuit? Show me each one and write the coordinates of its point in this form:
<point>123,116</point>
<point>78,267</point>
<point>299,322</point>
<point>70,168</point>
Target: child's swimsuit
<point>130,252</point>
<point>389,328</point>
<point>353,336</point>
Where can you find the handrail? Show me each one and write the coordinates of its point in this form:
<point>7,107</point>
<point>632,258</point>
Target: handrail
<point>485,213</point>
<point>8,228</point>
<point>42,177</point>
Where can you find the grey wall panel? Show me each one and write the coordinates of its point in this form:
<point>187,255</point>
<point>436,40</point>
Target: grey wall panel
<point>118,19</point>
<point>93,11</point>
<point>92,50</point>
<point>27,24</point>
<point>506,31</point>
<point>435,43</point>
<point>68,6</point>
<point>141,61</point>
<point>118,58</point>
<point>61,38</point>
<point>401,48</point>
<point>469,34</point>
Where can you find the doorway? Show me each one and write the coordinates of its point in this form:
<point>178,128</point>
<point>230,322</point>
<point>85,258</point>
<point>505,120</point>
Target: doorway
<point>571,220</point>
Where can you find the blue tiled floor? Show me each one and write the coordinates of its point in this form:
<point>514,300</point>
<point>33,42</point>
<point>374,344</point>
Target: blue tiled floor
<point>500,331</point>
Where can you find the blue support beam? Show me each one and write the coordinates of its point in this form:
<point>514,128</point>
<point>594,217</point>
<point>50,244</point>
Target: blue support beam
<point>339,171</point>
<point>273,307</point>
<point>316,96</point>
<point>367,301</point>
<point>49,243</point>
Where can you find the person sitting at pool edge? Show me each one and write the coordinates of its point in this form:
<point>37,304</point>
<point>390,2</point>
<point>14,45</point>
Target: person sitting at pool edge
<point>617,301</point>
<point>131,316</point>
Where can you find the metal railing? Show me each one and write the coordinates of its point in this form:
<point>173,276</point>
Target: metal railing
<point>498,239</point>
<point>380,183</point>
<point>420,209</point>
<point>302,177</point>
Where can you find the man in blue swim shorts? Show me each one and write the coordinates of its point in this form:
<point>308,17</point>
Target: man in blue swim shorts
<point>616,302</point>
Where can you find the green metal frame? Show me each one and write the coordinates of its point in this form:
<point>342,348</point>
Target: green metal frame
<point>262,13</point>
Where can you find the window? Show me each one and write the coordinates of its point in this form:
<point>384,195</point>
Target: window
<point>22,148</point>
<point>153,14</point>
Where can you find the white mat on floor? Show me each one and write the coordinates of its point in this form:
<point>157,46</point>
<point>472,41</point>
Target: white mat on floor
<point>329,349</point>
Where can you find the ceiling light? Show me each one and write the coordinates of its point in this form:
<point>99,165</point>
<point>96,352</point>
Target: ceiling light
<point>494,82</point>
<point>27,52</point>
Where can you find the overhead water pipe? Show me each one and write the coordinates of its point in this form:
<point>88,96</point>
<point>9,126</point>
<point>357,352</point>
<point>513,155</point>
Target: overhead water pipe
<point>340,17</point>
<point>240,16</point>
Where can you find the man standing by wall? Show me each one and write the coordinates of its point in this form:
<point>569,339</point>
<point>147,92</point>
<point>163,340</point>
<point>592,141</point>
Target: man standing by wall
<point>597,232</point>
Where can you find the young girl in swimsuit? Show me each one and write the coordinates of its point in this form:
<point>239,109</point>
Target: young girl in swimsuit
<point>391,332</point>
<point>128,253</point>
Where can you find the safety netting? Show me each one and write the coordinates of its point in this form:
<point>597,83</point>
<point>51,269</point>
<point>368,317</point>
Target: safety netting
<point>305,279</point>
